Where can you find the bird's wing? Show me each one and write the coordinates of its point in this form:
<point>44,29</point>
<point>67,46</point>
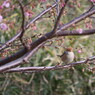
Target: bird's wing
<point>63,53</point>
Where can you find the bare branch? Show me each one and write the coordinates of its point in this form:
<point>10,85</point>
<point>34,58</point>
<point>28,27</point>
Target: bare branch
<point>75,33</point>
<point>59,16</point>
<point>27,26</point>
<point>47,36</point>
<point>57,7</point>
<point>39,41</point>
<point>20,60</point>
<point>30,54</point>
<point>39,69</point>
<point>77,19</point>
<point>23,18</point>
<point>23,22</point>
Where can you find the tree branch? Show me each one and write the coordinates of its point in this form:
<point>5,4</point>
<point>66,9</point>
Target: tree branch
<point>75,33</point>
<point>23,23</point>
<point>23,59</point>
<point>27,26</point>
<point>77,19</point>
<point>58,18</point>
<point>29,54</point>
<point>23,18</point>
<point>47,36</point>
<point>39,69</point>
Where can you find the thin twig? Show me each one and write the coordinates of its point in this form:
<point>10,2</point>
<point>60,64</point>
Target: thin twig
<point>23,23</point>
<point>59,17</point>
<point>57,7</point>
<point>23,19</point>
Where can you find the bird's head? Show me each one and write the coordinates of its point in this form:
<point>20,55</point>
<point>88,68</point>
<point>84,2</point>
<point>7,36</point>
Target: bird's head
<point>70,49</point>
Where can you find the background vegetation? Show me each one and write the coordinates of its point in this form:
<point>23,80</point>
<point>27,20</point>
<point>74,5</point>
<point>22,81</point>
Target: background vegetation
<point>78,80</point>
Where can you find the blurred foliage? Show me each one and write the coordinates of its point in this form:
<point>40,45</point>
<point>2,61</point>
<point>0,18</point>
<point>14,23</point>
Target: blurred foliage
<point>77,80</point>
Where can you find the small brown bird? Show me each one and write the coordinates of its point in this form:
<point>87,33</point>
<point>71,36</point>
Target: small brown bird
<point>67,56</point>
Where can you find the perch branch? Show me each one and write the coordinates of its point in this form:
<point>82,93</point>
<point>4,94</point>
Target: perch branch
<point>38,69</point>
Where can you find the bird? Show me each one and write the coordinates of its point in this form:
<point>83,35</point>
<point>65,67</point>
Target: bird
<point>67,56</point>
